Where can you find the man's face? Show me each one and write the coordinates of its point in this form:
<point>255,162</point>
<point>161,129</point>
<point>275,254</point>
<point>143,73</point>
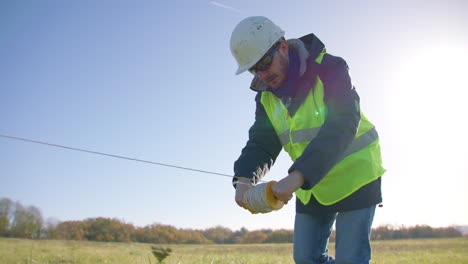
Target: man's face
<point>275,75</point>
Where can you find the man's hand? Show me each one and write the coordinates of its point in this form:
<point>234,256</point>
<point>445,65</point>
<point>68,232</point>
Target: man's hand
<point>284,189</point>
<point>243,184</point>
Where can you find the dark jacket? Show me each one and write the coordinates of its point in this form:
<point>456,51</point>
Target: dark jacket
<point>335,136</point>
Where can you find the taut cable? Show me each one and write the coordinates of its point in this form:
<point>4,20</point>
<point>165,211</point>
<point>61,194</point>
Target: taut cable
<point>116,156</point>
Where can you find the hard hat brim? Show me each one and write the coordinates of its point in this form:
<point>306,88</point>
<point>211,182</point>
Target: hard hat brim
<point>244,69</point>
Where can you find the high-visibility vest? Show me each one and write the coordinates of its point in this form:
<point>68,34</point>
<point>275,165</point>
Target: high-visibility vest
<point>359,165</point>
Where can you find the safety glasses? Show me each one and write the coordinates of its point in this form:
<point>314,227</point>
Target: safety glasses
<point>265,62</point>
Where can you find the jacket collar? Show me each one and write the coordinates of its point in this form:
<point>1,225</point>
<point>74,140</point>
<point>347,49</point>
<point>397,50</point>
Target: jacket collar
<point>306,46</point>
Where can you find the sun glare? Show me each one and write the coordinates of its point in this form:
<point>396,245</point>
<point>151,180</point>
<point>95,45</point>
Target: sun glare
<point>429,91</point>
<point>433,78</point>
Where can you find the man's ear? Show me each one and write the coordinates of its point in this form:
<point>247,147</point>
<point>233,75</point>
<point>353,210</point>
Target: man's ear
<point>284,47</point>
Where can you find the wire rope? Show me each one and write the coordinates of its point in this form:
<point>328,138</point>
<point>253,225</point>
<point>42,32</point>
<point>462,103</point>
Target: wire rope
<point>258,197</point>
<point>118,156</point>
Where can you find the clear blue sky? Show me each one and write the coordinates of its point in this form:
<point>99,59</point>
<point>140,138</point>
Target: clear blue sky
<point>155,80</point>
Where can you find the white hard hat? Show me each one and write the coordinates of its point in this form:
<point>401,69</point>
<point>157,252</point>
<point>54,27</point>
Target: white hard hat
<point>251,39</point>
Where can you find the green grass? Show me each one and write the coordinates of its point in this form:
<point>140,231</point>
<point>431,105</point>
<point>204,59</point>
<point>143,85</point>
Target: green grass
<point>22,251</point>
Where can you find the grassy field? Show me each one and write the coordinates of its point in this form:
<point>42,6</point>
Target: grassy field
<point>21,251</point>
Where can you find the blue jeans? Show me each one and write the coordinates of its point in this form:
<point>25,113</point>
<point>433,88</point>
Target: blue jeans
<point>352,246</point>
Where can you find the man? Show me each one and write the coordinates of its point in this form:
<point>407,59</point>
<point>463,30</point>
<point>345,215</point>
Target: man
<point>307,105</point>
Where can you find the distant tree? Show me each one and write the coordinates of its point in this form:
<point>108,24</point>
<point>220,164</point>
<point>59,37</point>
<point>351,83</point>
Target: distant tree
<point>237,236</point>
<point>421,231</point>
<point>110,230</point>
<point>218,234</point>
<point>418,231</point>
<point>280,236</point>
<point>448,232</point>
<point>400,232</point>
<point>126,233</point>
<point>253,237</point>
<point>6,206</point>
<point>158,234</point>
<point>72,230</point>
<point>166,234</point>
<point>27,222</point>
<point>382,233</point>
<point>190,236</point>
<point>195,237</point>
<point>141,235</point>
<point>51,228</point>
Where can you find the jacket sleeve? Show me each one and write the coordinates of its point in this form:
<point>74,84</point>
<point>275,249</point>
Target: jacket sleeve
<point>261,150</point>
<point>340,126</point>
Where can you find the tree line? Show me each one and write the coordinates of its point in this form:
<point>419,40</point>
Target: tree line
<point>19,221</point>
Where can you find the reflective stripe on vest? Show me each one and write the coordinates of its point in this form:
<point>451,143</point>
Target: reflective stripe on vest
<point>359,165</point>
<point>308,134</point>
